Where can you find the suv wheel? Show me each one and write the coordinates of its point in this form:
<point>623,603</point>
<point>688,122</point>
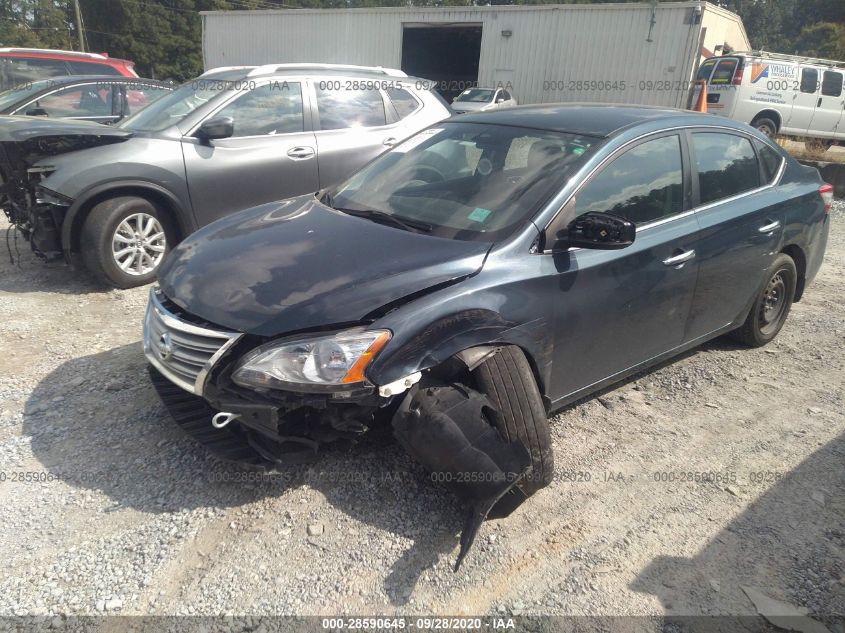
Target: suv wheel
<point>766,126</point>
<point>507,380</point>
<point>124,241</point>
<point>770,309</point>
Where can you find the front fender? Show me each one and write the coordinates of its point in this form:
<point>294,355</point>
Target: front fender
<point>433,342</point>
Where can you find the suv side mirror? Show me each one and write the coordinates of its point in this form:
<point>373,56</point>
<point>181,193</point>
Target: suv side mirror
<point>500,99</point>
<point>36,111</point>
<point>218,127</point>
<point>599,231</point>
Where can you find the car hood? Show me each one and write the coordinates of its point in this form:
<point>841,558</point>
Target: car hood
<point>26,128</point>
<point>36,137</point>
<point>297,265</point>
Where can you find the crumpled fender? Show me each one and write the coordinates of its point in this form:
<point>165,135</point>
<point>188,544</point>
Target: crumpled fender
<point>446,430</point>
<point>455,333</point>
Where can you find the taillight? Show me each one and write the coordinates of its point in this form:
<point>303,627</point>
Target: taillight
<point>737,81</point>
<point>826,192</point>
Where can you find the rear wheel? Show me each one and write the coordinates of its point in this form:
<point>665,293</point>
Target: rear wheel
<point>766,126</point>
<point>772,305</point>
<point>124,241</point>
<point>507,380</point>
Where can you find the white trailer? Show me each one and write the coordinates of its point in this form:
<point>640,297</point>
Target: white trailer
<point>645,53</point>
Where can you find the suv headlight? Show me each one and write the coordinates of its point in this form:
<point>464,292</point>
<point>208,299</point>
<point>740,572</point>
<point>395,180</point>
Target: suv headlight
<point>316,364</point>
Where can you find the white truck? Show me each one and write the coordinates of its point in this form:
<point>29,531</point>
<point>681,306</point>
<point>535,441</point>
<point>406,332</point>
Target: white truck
<point>788,95</point>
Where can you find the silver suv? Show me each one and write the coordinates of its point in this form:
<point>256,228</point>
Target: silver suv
<point>231,139</point>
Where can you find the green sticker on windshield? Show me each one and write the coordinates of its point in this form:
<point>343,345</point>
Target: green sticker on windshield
<point>578,151</point>
<point>478,214</point>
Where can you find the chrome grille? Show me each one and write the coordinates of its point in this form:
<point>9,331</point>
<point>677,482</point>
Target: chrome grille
<point>184,352</point>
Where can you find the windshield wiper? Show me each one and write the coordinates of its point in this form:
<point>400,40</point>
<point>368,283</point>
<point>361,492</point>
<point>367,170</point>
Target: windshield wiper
<point>389,218</point>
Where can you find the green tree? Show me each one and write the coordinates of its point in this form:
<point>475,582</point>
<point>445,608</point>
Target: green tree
<point>823,39</point>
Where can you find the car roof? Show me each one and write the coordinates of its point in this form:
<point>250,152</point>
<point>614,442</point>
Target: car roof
<point>590,119</point>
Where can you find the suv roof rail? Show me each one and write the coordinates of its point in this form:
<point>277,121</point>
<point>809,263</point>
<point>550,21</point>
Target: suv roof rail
<point>223,69</point>
<point>791,58</point>
<point>268,69</point>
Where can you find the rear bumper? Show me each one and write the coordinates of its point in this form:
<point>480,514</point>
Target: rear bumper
<point>816,250</point>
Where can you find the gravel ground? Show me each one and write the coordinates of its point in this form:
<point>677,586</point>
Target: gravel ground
<point>122,514</point>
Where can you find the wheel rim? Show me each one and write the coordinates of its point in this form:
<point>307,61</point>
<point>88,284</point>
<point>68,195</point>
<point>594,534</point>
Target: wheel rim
<point>138,244</point>
<point>774,302</point>
<point>767,130</point>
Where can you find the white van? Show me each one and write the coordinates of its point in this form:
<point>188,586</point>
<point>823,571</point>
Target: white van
<point>779,94</point>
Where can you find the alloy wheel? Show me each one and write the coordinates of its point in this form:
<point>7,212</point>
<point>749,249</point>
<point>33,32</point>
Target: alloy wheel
<point>138,244</point>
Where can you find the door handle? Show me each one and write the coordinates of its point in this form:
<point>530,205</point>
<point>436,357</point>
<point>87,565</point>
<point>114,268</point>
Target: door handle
<point>300,153</point>
<point>389,141</point>
<point>768,228</point>
<point>819,104</point>
<point>679,259</point>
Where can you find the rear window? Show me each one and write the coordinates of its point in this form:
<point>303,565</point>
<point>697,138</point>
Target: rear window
<point>91,68</point>
<point>831,83</point>
<point>726,165</point>
<point>724,72</point>
<point>705,69</point>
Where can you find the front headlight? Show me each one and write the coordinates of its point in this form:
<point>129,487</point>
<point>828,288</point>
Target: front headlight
<point>316,363</point>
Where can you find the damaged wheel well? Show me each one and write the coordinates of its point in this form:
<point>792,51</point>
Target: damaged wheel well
<point>158,198</point>
<point>460,366</point>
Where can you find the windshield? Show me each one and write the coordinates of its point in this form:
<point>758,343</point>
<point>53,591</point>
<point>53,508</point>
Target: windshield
<point>466,181</point>
<point>174,107</point>
<point>475,95</point>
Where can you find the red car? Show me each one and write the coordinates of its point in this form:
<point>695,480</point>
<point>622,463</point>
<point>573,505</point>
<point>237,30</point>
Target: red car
<point>19,66</point>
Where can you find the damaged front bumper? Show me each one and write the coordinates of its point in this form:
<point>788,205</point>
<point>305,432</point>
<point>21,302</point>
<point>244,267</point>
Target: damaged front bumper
<point>444,426</point>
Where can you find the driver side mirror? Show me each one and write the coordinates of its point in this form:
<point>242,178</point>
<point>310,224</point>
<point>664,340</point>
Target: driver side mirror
<point>216,128</point>
<point>36,111</point>
<point>596,230</point>
<point>500,99</point>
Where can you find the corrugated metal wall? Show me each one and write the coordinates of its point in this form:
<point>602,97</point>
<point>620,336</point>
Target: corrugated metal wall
<point>554,53</point>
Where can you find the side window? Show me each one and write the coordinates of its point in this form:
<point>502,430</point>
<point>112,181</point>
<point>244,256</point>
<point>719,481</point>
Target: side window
<point>505,95</point>
<point>340,108</point>
<point>404,102</point>
<point>724,72</point>
<point>274,108</point>
<point>809,80</point>
<point>139,96</point>
<point>31,69</point>
<point>770,160</point>
<point>726,165</point>
<point>91,68</point>
<point>92,100</point>
<point>831,83</point>
<point>643,185</point>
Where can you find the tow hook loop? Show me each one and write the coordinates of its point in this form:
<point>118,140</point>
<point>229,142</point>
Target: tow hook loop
<point>223,418</point>
<point>445,429</point>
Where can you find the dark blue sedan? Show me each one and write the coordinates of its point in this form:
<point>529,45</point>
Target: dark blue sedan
<point>476,278</point>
